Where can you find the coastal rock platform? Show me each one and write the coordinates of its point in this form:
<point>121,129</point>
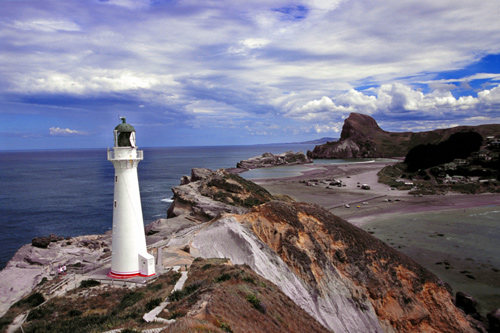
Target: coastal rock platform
<point>269,160</point>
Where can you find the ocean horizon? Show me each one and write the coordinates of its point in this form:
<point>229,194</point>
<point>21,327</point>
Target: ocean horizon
<point>69,192</point>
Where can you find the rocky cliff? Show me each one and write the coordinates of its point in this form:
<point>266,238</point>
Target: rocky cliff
<point>268,160</point>
<point>345,278</point>
<point>341,276</point>
<point>207,193</point>
<point>34,262</point>
<point>361,137</point>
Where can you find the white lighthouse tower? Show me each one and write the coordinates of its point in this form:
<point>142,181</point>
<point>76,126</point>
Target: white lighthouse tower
<point>129,254</point>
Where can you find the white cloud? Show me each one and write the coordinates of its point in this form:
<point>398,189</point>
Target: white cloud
<point>46,25</point>
<point>225,63</point>
<point>89,81</point>
<point>490,97</point>
<point>400,99</point>
<point>57,131</point>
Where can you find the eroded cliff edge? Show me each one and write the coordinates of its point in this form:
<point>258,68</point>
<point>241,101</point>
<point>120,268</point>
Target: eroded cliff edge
<point>342,276</point>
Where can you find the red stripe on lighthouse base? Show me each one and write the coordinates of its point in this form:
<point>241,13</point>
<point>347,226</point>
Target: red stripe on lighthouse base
<point>114,275</point>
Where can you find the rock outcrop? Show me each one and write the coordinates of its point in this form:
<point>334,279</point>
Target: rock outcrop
<point>235,298</point>
<point>269,160</point>
<point>361,137</point>
<point>32,263</point>
<point>207,193</point>
<point>345,278</point>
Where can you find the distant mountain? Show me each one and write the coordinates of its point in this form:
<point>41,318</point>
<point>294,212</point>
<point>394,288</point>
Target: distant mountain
<point>362,137</point>
<point>313,142</point>
<point>319,141</point>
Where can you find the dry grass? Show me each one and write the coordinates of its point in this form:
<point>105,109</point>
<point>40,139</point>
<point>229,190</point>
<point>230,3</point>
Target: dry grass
<point>234,299</point>
<point>95,309</point>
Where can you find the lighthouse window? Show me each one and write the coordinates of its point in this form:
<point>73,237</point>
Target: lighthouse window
<point>115,203</point>
<point>116,179</point>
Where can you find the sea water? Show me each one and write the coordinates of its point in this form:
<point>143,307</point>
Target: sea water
<point>70,192</point>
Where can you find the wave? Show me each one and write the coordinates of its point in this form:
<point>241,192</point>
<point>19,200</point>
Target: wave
<point>168,200</point>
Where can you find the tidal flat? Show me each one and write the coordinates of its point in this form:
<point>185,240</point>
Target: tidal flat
<point>455,236</point>
<point>460,246</point>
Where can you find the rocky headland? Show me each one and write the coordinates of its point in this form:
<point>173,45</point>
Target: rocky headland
<point>362,137</point>
<point>269,160</point>
<point>345,279</point>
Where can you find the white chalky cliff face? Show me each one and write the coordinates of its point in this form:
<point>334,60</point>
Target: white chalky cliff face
<point>129,254</point>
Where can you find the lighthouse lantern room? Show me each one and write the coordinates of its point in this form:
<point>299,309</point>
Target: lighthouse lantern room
<point>129,253</point>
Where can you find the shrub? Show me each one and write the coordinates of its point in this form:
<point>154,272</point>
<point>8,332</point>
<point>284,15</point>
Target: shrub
<point>176,314</point>
<point>175,277</point>
<point>177,295</point>
<point>74,313</point>
<point>248,279</point>
<point>89,283</point>
<point>130,299</point>
<point>42,281</point>
<point>255,301</point>
<point>32,300</point>
<point>153,303</point>
<point>155,287</point>
<point>38,313</point>
<point>222,278</point>
<point>224,326</point>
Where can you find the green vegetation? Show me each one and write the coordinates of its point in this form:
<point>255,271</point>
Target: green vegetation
<point>235,189</point>
<point>248,279</point>
<point>31,301</point>
<point>130,299</point>
<point>255,301</point>
<point>477,173</point>
<point>177,295</point>
<point>223,277</point>
<point>153,303</point>
<point>459,145</point>
<point>89,283</point>
<point>102,308</point>
<point>224,326</point>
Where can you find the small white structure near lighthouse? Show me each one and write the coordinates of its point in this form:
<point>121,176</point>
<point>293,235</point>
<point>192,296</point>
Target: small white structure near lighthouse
<point>129,253</point>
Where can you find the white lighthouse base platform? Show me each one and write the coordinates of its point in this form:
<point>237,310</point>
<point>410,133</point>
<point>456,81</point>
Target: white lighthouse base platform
<point>146,268</point>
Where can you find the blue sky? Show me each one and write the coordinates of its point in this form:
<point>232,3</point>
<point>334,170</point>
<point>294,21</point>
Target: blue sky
<point>220,72</point>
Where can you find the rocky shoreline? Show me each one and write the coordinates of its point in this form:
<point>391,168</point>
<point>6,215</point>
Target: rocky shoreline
<point>302,248</point>
<point>267,160</point>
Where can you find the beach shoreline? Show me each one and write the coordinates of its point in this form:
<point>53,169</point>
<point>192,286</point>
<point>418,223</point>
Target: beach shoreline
<point>430,229</point>
<point>380,199</point>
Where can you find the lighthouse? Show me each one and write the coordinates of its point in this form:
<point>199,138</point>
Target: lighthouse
<point>129,254</point>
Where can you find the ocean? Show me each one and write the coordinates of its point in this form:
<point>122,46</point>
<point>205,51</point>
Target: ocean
<point>70,192</point>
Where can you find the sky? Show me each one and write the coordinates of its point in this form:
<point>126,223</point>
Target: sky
<point>231,72</point>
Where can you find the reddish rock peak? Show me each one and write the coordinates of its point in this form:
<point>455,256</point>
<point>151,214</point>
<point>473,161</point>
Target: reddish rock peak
<point>359,125</point>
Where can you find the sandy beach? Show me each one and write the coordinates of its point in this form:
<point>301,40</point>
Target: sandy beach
<point>441,232</point>
<point>378,200</point>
